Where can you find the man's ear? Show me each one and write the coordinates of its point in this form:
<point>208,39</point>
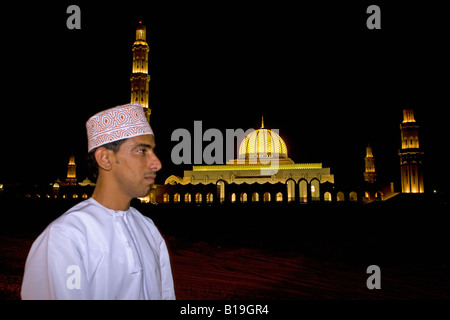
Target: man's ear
<point>103,157</point>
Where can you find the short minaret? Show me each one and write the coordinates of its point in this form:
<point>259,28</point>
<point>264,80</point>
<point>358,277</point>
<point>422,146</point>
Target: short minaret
<point>369,173</point>
<point>140,78</point>
<point>411,156</point>
<point>71,172</point>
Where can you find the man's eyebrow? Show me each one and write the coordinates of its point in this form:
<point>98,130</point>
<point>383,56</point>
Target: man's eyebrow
<point>143,145</point>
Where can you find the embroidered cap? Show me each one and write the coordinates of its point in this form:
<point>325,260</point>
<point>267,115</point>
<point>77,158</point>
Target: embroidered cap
<point>117,123</point>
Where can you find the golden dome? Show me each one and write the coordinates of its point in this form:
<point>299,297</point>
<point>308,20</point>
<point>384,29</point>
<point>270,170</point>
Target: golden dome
<point>262,143</point>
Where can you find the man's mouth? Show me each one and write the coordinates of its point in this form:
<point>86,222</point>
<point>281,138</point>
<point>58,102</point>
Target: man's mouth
<point>151,177</point>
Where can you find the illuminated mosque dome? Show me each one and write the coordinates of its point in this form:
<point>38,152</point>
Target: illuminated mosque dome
<point>263,143</point>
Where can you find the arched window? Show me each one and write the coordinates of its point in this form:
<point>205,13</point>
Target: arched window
<point>340,196</point>
<point>166,198</point>
<point>233,197</point>
<point>209,198</point>
<point>198,197</point>
<point>266,197</point>
<point>303,191</point>
<point>255,197</point>
<point>327,196</point>
<point>187,198</point>
<point>315,190</point>
<point>379,196</point>
<point>176,198</point>
<point>243,197</point>
<point>221,189</point>
<point>353,196</point>
<point>279,197</point>
<point>290,185</point>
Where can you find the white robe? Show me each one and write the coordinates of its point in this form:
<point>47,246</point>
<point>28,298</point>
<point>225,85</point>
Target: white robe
<point>92,252</point>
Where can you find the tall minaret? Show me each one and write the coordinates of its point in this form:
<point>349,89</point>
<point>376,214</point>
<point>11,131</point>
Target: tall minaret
<point>411,157</point>
<point>369,173</point>
<point>71,178</point>
<point>140,78</point>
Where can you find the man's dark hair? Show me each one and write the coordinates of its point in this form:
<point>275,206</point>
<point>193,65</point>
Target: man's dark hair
<point>92,163</point>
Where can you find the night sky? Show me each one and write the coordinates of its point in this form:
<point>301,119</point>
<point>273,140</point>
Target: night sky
<point>315,72</point>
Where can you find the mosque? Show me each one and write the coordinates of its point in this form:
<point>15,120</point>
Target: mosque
<point>263,172</point>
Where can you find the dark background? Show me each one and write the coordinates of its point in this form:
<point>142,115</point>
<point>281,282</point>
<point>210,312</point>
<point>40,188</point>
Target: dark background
<point>314,71</point>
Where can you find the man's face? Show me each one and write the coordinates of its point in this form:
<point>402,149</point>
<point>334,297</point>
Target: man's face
<point>135,165</point>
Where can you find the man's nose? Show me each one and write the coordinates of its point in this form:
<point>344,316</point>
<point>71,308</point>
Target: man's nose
<point>155,164</point>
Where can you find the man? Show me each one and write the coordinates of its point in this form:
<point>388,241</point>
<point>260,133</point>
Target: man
<point>102,248</point>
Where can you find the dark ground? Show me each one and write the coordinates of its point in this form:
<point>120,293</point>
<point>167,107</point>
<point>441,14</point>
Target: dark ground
<point>273,252</point>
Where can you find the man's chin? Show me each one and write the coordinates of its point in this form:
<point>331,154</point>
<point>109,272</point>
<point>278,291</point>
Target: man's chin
<point>145,193</point>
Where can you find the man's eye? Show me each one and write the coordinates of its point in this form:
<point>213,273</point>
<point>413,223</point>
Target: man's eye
<point>142,151</point>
